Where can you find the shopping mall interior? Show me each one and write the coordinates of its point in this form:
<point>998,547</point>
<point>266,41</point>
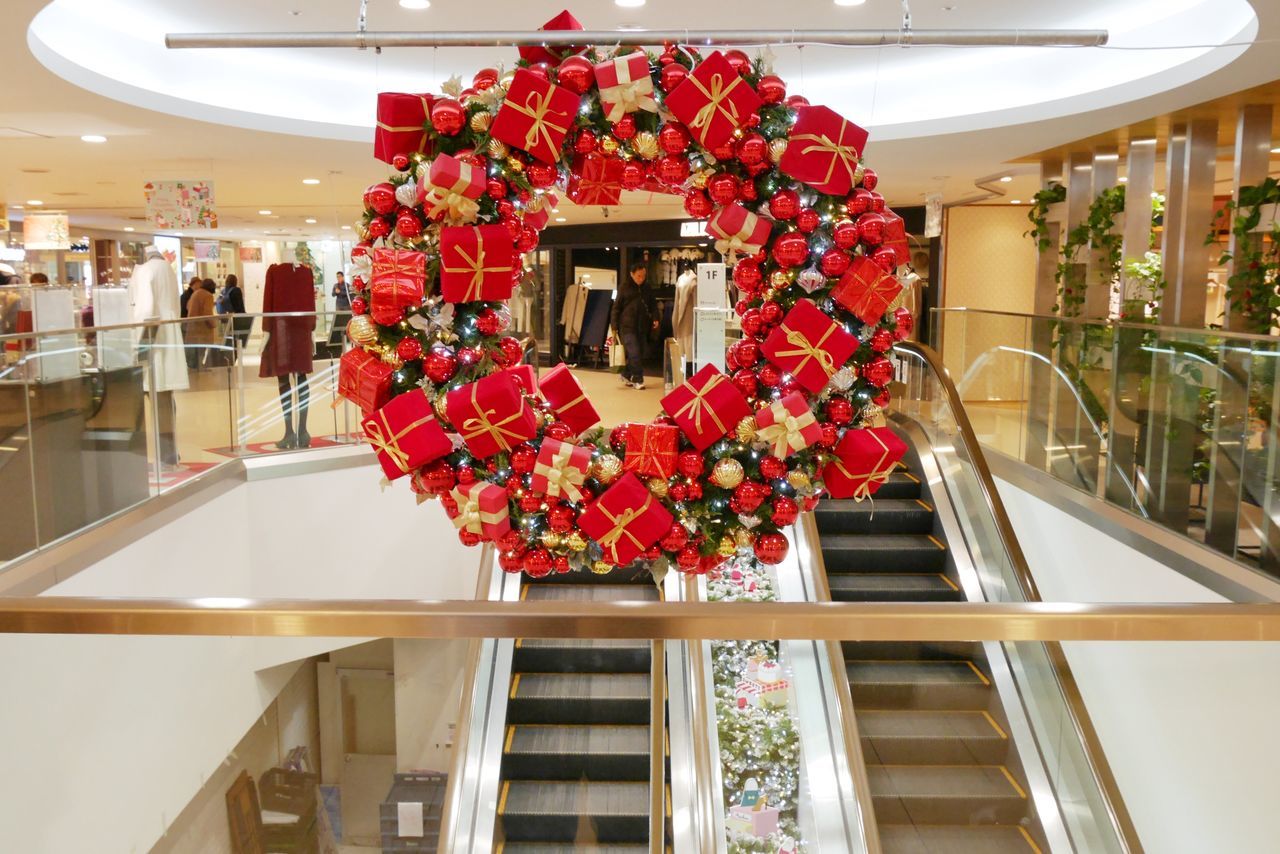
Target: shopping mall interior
<point>845,426</point>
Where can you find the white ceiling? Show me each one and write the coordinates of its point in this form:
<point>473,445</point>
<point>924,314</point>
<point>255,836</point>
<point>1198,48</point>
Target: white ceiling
<point>258,122</point>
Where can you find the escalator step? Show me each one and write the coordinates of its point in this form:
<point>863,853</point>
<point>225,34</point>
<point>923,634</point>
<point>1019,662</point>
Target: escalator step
<point>538,811</point>
<point>901,484</point>
<point>874,516</point>
<point>931,737</point>
<point>918,685</point>
<point>579,698</point>
<point>577,752</point>
<point>570,848</point>
<point>893,587</point>
<point>915,651</point>
<point>946,794</point>
<point>590,592</point>
<point>580,655</point>
<point>881,553</point>
<point>957,839</point>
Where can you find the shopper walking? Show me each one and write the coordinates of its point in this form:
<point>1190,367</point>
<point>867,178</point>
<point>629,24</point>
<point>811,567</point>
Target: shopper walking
<point>202,326</point>
<point>341,298</point>
<point>233,302</point>
<point>633,319</point>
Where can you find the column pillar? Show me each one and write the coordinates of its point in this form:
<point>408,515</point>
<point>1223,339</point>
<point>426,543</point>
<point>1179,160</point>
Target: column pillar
<point>1105,175</point>
<point>1137,220</point>
<point>1174,158</point>
<point>1185,298</point>
<point>1039,332</point>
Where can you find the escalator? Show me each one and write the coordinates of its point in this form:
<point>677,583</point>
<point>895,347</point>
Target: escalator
<point>576,746</point>
<point>944,776</point>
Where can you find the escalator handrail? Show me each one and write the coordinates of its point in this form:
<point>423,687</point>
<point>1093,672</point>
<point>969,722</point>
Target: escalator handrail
<point>1122,822</point>
<point>1121,324</point>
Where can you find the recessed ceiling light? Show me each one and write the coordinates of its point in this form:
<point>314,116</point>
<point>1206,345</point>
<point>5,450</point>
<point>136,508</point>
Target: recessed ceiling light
<point>1015,201</point>
<point>1123,180</point>
<point>628,4</point>
<point>415,4</point>
<point>16,207</point>
<point>310,221</point>
<point>264,213</point>
<point>346,228</point>
<point>93,137</point>
<point>34,202</point>
<point>311,180</point>
<point>128,228</point>
<point>1006,179</point>
<point>1275,151</point>
<point>561,219</point>
<point>850,2</point>
<point>177,234</point>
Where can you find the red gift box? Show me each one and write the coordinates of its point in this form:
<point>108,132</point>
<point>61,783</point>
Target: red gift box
<point>864,459</point>
<point>405,434</point>
<point>450,189</point>
<point>560,470</point>
<point>651,449</point>
<point>895,237</point>
<point>706,406</point>
<point>596,180</point>
<point>476,263</point>
<point>536,116</point>
<point>788,425</point>
<point>491,414</point>
<point>401,125</point>
<point>625,520</point>
<point>737,229</point>
<point>823,150</point>
<point>526,376</point>
<point>539,218</point>
<point>625,85</point>
<point>364,379</point>
<point>534,54</point>
<point>713,101</point>
<point>480,508</point>
<point>866,290</point>
<point>809,345</point>
<point>561,389</point>
<point>398,279</point>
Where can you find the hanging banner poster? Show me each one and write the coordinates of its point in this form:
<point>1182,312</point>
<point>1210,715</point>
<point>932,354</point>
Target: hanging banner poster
<point>208,250</point>
<point>180,204</point>
<point>46,231</point>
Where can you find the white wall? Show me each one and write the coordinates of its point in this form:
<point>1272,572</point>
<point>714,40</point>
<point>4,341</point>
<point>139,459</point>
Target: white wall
<point>104,740</point>
<point>429,676</point>
<point>1189,728</point>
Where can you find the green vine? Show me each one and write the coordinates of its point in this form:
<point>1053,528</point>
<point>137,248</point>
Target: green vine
<point>1251,288</point>
<point>1098,231</point>
<point>1039,213</point>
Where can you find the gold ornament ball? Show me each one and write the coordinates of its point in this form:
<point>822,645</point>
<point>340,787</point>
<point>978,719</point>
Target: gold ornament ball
<point>601,567</point>
<point>497,149</point>
<point>727,546</point>
<point>742,538</point>
<point>515,164</point>
<point>858,172</point>
<point>609,145</point>
<point>777,148</point>
<point>480,122</point>
<point>552,540</point>
<point>727,473</point>
<point>362,330</point>
<point>606,468</point>
<point>575,541</point>
<point>700,179</point>
<point>780,278</point>
<point>658,486</point>
<point>505,80</point>
<point>438,406</point>
<point>798,480</point>
<point>536,203</point>
<point>769,293</point>
<point>645,144</point>
<point>746,430</point>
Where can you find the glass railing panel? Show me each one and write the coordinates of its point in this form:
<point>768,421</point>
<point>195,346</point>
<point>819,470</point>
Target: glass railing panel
<point>19,525</point>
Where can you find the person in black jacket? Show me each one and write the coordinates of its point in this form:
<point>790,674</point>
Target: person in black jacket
<point>232,303</point>
<point>633,319</point>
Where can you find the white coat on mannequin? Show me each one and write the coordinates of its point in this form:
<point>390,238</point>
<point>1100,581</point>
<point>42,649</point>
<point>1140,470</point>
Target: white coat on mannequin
<point>682,314</point>
<point>153,290</point>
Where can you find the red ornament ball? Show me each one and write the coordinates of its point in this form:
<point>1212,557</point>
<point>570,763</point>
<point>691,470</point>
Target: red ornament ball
<point>858,202</point>
<point>558,430</point>
<point>672,76</point>
<point>795,102</point>
<point>618,438</point>
<point>807,220</point>
<point>585,142</point>
<point>576,74</point>
<point>409,349</point>
<point>830,435</point>
<point>379,227</point>
<point>746,352</point>
<point>512,348</point>
<point>784,511</point>
<point>469,538</point>
<point>511,560</point>
<point>448,117</point>
<point>845,234</point>
<point>523,458</point>
<point>771,312</point>
<point>506,209</point>
<point>870,179</point>
<point>886,259</point>
<point>839,411</point>
<point>738,61</point>
<point>359,306</point>
<point>675,539</point>
<point>769,376</point>
<point>467,475</point>
<point>791,249</point>
<point>677,492</point>
<point>748,192</point>
<point>753,149</point>
<point>784,204</point>
<point>625,127</point>
<point>527,240</point>
<point>541,70</point>
<point>772,468</point>
<point>746,382</point>
<point>878,372</point>
<point>689,463</point>
<point>408,224</point>
<point>488,322</point>
<point>771,549</point>
<point>723,188</point>
<point>882,399</point>
<point>437,476</point>
<point>673,138</point>
<point>381,198</point>
<point>747,275</point>
<point>440,366</point>
<point>752,320</point>
<point>469,355</point>
<point>633,175</point>
<point>881,340</point>
<point>537,563</point>
<point>672,169</point>
<point>560,563</point>
<point>697,205</point>
<point>695,490</point>
<point>560,518</point>
<point>400,162</point>
<point>530,503</point>
<point>904,323</point>
<point>771,89</point>
<point>688,558</point>
<point>486,78</point>
<point>541,175</point>
<point>834,263</point>
<point>871,228</point>
<point>496,188</point>
<point>724,152</point>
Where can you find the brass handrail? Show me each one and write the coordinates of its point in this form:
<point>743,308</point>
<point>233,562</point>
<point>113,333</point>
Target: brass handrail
<point>1095,755</point>
<point>1112,324</point>
<point>896,621</point>
<point>657,747</point>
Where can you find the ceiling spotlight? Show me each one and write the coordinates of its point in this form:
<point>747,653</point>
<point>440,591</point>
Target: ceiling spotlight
<point>346,228</point>
<point>628,4</point>
<point>415,4</point>
<point>1006,179</point>
<point>93,137</point>
<point>129,228</point>
<point>311,180</point>
<point>264,213</point>
<point>1275,151</point>
<point>1015,201</point>
<point>850,2</point>
<point>561,219</point>
<point>34,202</point>
<point>310,221</point>
<point>1123,180</point>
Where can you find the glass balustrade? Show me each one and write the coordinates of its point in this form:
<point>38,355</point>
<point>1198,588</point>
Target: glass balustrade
<point>1174,425</point>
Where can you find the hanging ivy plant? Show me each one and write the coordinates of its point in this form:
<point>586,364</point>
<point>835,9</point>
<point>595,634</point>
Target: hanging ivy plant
<point>1251,288</point>
<point>1098,231</point>
<point>1039,213</point>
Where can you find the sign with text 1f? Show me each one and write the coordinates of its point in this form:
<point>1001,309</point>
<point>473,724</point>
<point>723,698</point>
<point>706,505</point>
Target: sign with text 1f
<point>711,286</point>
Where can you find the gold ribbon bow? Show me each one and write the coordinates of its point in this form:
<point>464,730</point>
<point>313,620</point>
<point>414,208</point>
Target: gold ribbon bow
<point>698,404</point>
<point>786,431</point>
<point>479,425</point>
<point>620,524</point>
<point>809,351</point>
<point>536,107</point>
<point>377,431</point>
<point>560,476</point>
<point>628,95</point>
<point>470,517</point>
<point>475,266</point>
<point>845,155</point>
<point>456,205</point>
<point>876,475</point>
<point>418,128</point>
<point>716,96</point>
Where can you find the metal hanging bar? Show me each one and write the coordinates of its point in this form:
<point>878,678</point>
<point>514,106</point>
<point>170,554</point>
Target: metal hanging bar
<point>501,38</point>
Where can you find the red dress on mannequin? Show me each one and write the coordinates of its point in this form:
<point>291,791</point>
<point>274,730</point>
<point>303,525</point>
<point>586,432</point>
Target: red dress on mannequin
<point>289,287</point>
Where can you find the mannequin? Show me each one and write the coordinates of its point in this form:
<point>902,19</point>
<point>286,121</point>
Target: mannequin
<point>522,301</point>
<point>289,348</point>
<point>575,305</point>
<point>682,316</point>
<point>153,290</point>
